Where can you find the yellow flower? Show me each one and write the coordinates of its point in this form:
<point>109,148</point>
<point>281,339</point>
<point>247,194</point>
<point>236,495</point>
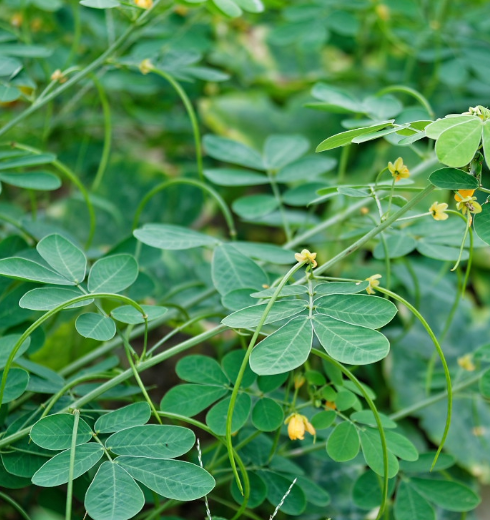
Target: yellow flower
<point>299,381</point>
<point>144,4</point>
<point>146,66</point>
<point>466,203</point>
<point>439,211</point>
<point>399,170</point>
<point>464,193</point>
<point>466,363</point>
<point>306,256</point>
<point>330,405</point>
<point>297,425</point>
<point>58,76</point>
<point>383,12</point>
<point>373,282</point>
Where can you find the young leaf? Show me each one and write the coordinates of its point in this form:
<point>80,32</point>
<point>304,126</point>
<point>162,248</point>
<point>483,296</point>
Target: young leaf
<point>47,298</point>
<point>42,181</point>
<point>345,138</point>
<point>170,478</point>
<point>121,498</point>
<point>55,432</point>
<point>169,237</point>
<point>56,471</point>
<point>284,350</point>
<point>457,145</point>
<point>435,129</point>
<point>152,440</point>
<point>23,269</point>
<point>348,343</point>
<point>64,257</point>
<point>95,326</point>
<point>343,443</point>
<point>482,223</point>
<point>358,309</point>
<point>267,415</point>
<point>27,160</point>
<point>135,414</point>
<point>112,274</point>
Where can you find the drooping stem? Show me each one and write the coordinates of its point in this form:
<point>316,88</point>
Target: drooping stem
<point>69,492</point>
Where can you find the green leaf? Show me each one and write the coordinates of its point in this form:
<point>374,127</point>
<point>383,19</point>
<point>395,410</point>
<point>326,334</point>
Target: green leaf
<point>232,270</point>
<point>27,160</point>
<point>9,94</point>
<point>315,494</point>
<point>486,142</point>
<point>269,383</point>
<point>367,492</point>
<point>266,252</point>
<point>267,415</point>
<point>305,168</point>
<point>113,494</point>
<point>453,179</point>
<point>216,417</point>
<point>458,144</point>
<point>17,381</point>
<point>234,177</point>
<point>410,505</point>
<point>251,6</point>
<point>358,309</point>
<point>100,4</point>
<point>231,364</point>
<point>169,237</point>
<point>435,129</point>
<point>48,298</point>
<point>152,440</point>
<point>201,369</point>
<point>345,138</point>
<point>287,290</point>
<point>230,151</point>
<point>400,446</point>
<point>113,274</point>
<point>64,257</point>
<point>231,9</point>
<point>447,494</point>
<point>258,491</point>
<point>23,269</point>
<point>43,181</point>
<point>323,420</point>
<point>281,150</point>
<point>336,100</point>
<point>367,417</point>
<point>398,245</point>
<point>343,443</point>
<point>254,206</point>
<point>345,399</point>
<point>189,400</point>
<point>277,486</point>
<point>9,66</point>
<point>56,471</point>
<point>250,316</point>
<point>25,459</point>
<point>170,478</point>
<point>135,414</point>
<point>482,223</point>
<point>324,289</point>
<point>55,432</point>
<point>9,481</point>
<point>424,463</point>
<point>440,252</point>
<point>484,384</point>
<point>7,344</point>
<point>350,344</point>
<point>238,299</point>
<point>284,350</point>
<point>373,453</point>
<point>128,314</point>
<point>303,194</point>
<point>24,51</point>
<point>95,326</point>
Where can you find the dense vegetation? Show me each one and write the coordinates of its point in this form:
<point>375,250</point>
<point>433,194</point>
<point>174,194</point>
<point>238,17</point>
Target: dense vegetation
<point>244,262</point>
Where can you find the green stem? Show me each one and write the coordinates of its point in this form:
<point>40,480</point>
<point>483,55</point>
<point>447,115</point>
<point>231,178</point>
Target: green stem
<point>190,112</point>
<point>277,196</point>
<point>373,408</point>
<point>344,159</point>
<point>191,182</point>
<point>106,109</point>
<point>243,367</point>
<point>443,361</point>
<point>69,492</point>
<point>411,92</point>
<point>16,506</point>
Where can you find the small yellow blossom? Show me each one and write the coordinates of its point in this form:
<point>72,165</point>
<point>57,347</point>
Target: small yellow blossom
<point>466,363</point>
<point>16,20</point>
<point>383,12</point>
<point>299,381</point>
<point>297,425</point>
<point>479,431</point>
<point>463,193</point>
<point>144,4</point>
<point>58,76</point>
<point>438,211</point>
<point>364,210</point>
<point>146,66</point>
<point>330,405</point>
<point>466,203</point>
<point>398,170</point>
<point>373,283</point>
<point>306,256</point>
